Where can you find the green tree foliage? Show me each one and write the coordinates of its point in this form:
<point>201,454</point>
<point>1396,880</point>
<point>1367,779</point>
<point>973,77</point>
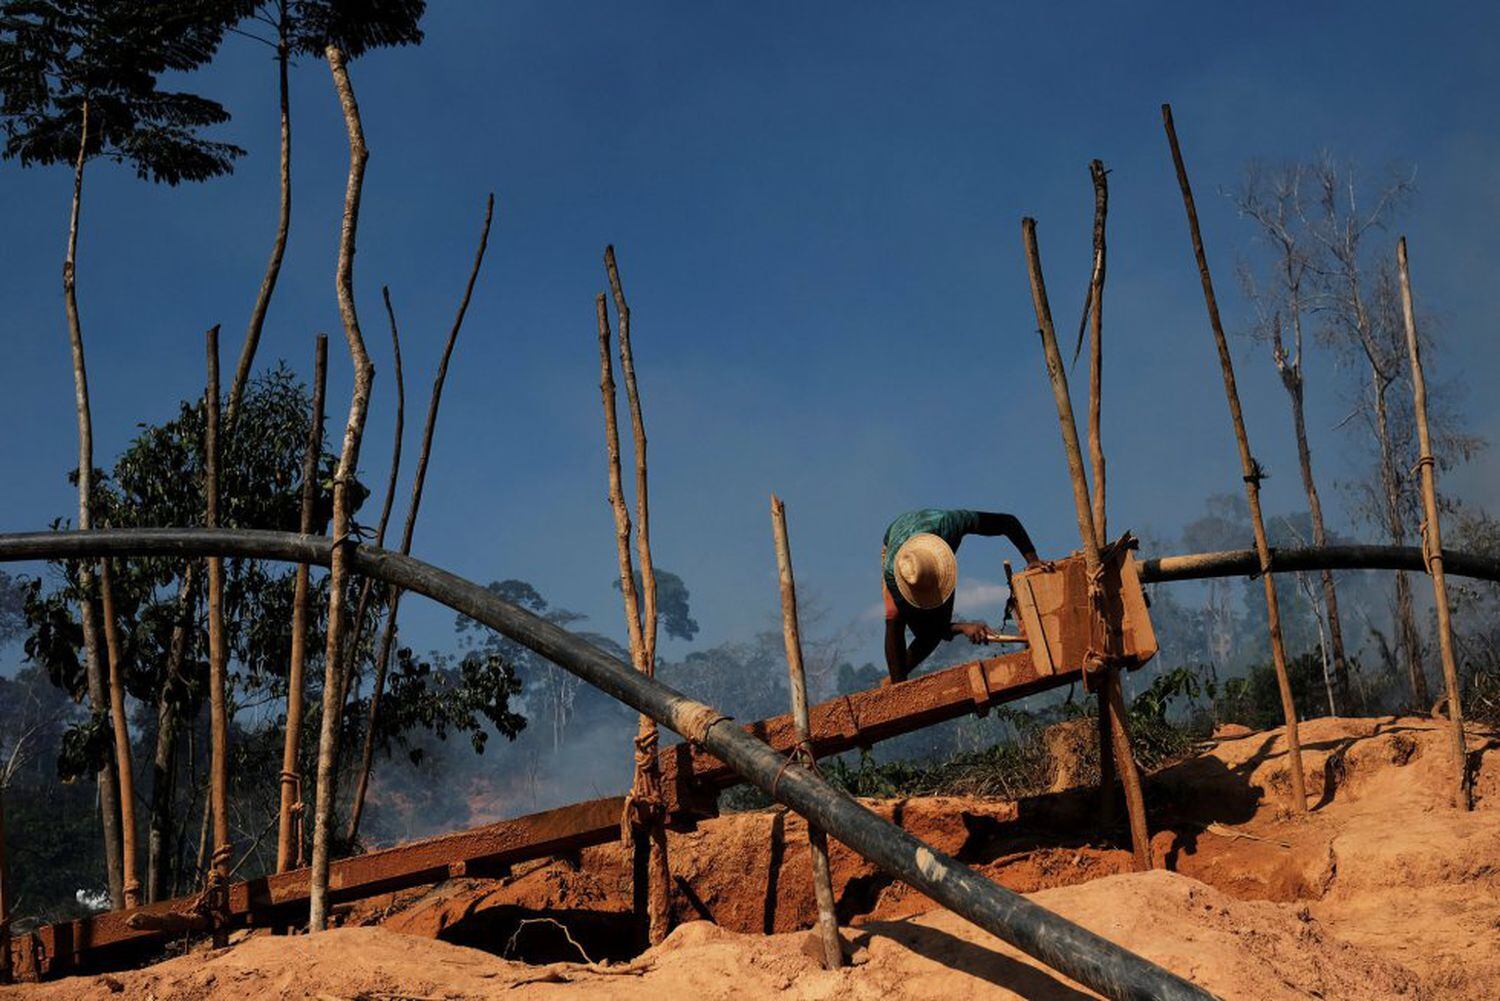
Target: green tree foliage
<point>60,57</point>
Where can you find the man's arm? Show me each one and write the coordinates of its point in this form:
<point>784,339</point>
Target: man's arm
<point>1008,525</point>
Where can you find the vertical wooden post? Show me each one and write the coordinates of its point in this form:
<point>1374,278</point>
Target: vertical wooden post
<point>5,968</point>
<point>1095,312</point>
<point>120,724</point>
<point>1111,700</point>
<point>218,880</point>
<point>648,846</point>
<point>817,840</point>
<point>288,826</point>
<point>1432,541</point>
<point>1251,472</point>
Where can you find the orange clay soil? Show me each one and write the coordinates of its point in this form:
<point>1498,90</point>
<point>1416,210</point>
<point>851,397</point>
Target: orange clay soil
<point>1382,891</point>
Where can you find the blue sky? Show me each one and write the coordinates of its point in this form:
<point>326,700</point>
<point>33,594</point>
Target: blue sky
<point>817,209</point>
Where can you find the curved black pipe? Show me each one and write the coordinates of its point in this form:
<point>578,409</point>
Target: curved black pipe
<point>1196,566</point>
<point>1059,943</point>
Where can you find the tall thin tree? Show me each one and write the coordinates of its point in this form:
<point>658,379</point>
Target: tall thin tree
<point>1341,222</point>
<point>1271,199</point>
<point>78,82</point>
<point>338,570</point>
<point>278,16</point>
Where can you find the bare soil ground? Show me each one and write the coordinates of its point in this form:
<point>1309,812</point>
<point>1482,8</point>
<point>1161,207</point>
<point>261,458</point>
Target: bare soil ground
<point>1383,891</point>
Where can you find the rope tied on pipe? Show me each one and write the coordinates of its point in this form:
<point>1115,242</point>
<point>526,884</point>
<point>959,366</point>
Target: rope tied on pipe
<point>694,719</point>
<point>800,753</point>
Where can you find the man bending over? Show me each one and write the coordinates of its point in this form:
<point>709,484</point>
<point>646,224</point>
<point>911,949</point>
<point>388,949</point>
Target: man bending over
<point>920,575</point>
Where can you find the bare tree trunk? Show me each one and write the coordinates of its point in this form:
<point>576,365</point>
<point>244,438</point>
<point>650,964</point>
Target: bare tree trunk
<point>362,607</point>
<point>130,884</point>
<point>1432,542</point>
<point>288,847</point>
<point>338,570</point>
<point>159,857</point>
<point>1294,388</point>
<point>283,225</point>
<point>1112,701</point>
<point>817,840</point>
<point>109,793</point>
<point>646,784</point>
<point>419,482</point>
<point>218,658</point>
<point>1251,471</point>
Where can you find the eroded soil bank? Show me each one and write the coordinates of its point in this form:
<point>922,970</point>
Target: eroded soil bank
<point>1382,891</point>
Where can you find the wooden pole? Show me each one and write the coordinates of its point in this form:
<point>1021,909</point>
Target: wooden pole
<point>354,429</point>
<point>645,800</point>
<point>634,830</point>
<point>418,484</point>
<point>817,840</point>
<point>1095,312</point>
<point>5,970</point>
<point>1111,701</point>
<point>120,724</point>
<point>288,836</point>
<point>1251,471</point>
<point>1432,541</point>
<point>218,699</point>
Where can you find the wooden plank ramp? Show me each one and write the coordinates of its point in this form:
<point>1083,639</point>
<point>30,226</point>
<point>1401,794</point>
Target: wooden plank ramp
<point>692,780</point>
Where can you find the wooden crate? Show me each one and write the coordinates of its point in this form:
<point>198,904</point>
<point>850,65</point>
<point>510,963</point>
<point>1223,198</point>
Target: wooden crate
<point>1052,607</point>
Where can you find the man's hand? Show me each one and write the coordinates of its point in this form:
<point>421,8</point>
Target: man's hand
<point>977,632</point>
<point>1033,562</point>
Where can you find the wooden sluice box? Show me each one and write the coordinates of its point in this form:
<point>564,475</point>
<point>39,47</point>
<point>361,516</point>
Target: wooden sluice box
<point>1052,609</point>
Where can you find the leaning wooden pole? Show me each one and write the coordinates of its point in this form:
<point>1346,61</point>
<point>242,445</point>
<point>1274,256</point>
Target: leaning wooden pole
<point>217,884</point>
<point>362,607</point>
<point>817,839</point>
<point>1111,702</point>
<point>1251,471</point>
<point>1432,541</point>
<point>418,484</point>
<point>338,571</point>
<point>121,725</point>
<point>644,801</point>
<point>289,819</point>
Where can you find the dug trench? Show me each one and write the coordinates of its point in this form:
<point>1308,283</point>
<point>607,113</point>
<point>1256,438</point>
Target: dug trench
<point>1380,861</point>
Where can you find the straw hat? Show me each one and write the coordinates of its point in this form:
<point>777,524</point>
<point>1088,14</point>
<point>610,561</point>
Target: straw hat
<point>926,570</point>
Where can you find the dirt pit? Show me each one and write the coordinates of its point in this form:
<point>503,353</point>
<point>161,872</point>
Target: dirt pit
<point>1381,891</point>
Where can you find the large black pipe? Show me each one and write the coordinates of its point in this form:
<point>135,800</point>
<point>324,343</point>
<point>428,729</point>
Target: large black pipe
<point>1196,566</point>
<point>1059,943</point>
